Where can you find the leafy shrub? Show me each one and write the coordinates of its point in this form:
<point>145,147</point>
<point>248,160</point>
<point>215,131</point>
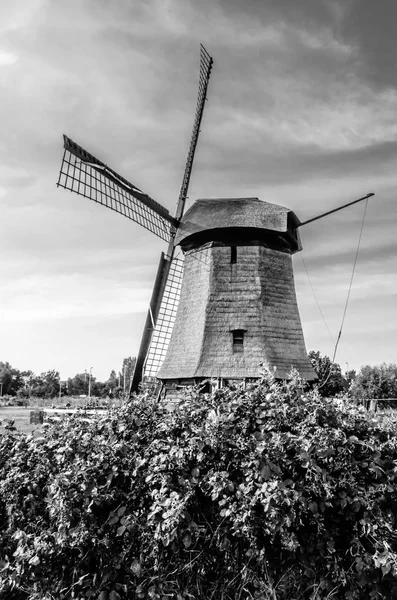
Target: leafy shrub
<point>261,493</point>
<point>330,379</point>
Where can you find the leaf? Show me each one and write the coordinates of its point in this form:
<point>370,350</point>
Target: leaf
<point>114,520</point>
<point>313,506</point>
<point>114,595</point>
<point>266,472</point>
<point>121,511</point>
<point>136,568</point>
<point>140,591</point>
<point>275,468</point>
<point>121,530</point>
<point>89,487</point>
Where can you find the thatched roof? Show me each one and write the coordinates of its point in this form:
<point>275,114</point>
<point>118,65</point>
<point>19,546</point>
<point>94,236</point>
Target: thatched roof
<point>235,213</point>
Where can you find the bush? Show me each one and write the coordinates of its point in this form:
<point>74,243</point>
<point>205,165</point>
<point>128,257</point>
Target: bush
<point>258,493</point>
<point>330,380</point>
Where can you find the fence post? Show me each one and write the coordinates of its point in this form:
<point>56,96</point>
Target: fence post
<point>373,406</point>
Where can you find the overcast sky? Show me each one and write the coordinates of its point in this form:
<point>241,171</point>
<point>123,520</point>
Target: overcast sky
<point>302,112</point>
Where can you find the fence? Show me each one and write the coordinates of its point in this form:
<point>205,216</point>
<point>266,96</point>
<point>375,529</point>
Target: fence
<point>372,403</point>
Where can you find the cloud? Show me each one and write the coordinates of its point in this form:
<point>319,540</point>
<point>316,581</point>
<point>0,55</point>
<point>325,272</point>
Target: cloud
<point>7,58</point>
<point>36,299</point>
<point>301,112</point>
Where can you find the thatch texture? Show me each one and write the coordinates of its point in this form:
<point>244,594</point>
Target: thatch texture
<point>209,215</point>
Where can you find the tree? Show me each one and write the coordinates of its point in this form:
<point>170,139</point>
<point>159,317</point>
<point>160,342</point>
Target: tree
<point>10,379</point>
<point>45,385</point>
<point>349,377</point>
<point>379,381</point>
<point>29,381</point>
<point>330,378</point>
<point>112,383</point>
<point>98,389</point>
<point>127,371</point>
<point>78,385</point>
<point>5,378</point>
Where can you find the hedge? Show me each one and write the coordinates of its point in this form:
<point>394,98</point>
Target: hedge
<point>267,492</point>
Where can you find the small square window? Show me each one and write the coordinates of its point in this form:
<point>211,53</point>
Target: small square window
<point>238,340</point>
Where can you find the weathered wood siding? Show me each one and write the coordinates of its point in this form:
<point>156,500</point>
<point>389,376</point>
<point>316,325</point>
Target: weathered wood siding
<point>256,294</point>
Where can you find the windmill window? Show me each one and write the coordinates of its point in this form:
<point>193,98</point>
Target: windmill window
<point>233,254</point>
<point>238,340</point>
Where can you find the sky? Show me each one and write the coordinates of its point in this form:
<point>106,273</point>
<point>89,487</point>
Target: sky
<point>301,111</point>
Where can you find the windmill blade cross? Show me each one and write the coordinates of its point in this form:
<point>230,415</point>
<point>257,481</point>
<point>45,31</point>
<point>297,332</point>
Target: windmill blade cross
<point>84,174</point>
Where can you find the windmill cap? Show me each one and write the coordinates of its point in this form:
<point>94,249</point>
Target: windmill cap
<point>209,216</point>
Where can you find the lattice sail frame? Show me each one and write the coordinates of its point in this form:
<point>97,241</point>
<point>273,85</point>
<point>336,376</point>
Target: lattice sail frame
<point>84,174</point>
<point>165,321</point>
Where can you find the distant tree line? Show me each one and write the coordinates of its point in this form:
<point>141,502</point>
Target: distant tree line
<point>379,381</point>
<point>25,384</point>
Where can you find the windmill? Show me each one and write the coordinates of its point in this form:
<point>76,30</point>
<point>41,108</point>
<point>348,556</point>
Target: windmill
<point>227,303</point>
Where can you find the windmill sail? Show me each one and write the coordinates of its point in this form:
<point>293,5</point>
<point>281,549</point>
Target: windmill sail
<point>165,321</point>
<point>84,174</point>
<point>152,349</point>
<point>206,63</point>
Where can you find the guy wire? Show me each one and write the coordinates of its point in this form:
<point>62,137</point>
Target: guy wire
<point>315,296</point>
<point>351,280</point>
<point>348,295</point>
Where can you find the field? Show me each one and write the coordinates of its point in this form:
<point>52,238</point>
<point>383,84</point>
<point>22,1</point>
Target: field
<point>20,416</point>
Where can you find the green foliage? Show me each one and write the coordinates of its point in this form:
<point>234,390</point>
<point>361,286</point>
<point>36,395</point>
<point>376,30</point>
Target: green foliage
<point>10,379</point>
<point>78,385</point>
<point>27,384</point>
<point>330,378</point>
<point>45,385</point>
<point>259,493</point>
<point>127,372</point>
<point>379,382</point>
<point>350,377</point>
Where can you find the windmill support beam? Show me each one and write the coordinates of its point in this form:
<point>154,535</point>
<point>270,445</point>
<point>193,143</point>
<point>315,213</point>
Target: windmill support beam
<point>152,314</point>
<point>330,212</point>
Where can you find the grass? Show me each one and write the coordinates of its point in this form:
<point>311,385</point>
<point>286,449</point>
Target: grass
<point>20,416</point>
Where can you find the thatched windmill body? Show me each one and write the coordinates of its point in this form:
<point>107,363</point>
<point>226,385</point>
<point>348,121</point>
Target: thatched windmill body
<point>226,304</point>
<point>238,306</point>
